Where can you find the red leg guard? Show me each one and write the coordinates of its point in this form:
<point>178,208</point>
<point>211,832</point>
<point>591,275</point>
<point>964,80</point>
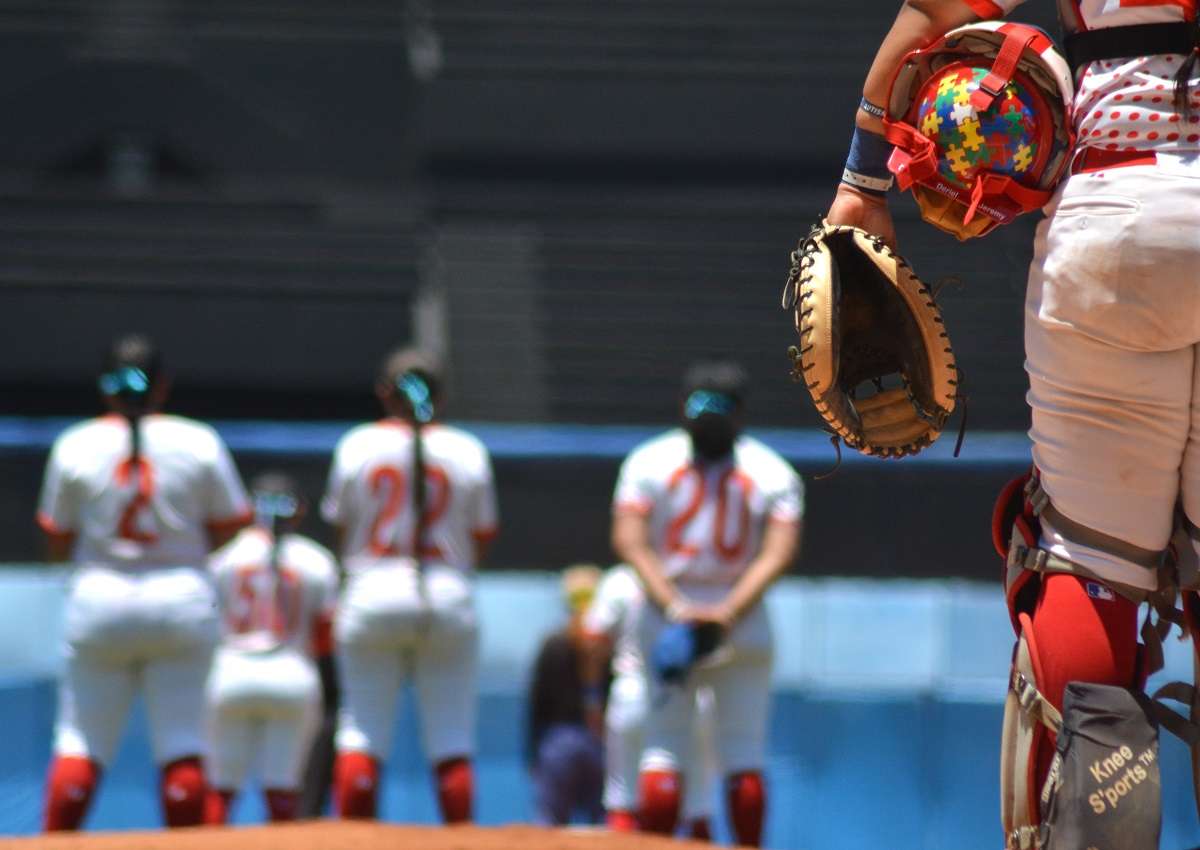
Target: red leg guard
<point>282,805</point>
<point>621,820</point>
<point>455,789</point>
<point>1078,637</point>
<point>699,830</point>
<point>355,785</point>
<point>747,805</point>
<point>70,785</point>
<point>216,807</point>
<point>659,796</point>
<point>183,792</point>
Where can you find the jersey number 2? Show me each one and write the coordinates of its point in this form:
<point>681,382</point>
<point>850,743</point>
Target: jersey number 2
<point>131,525</point>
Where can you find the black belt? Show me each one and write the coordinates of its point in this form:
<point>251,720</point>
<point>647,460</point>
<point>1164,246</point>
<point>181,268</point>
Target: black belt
<point>1126,42</point>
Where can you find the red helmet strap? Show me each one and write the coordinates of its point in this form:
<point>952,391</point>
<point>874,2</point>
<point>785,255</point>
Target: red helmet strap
<point>1003,68</point>
<point>989,186</point>
<point>914,158</point>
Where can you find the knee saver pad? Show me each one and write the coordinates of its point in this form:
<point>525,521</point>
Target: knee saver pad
<point>456,788</point>
<point>69,790</point>
<point>659,798</point>
<point>356,784</point>
<point>1019,739</point>
<point>183,791</point>
<point>1104,787</point>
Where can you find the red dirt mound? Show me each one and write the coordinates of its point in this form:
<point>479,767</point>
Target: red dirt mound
<point>348,835</point>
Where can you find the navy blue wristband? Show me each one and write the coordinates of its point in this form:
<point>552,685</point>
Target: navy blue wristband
<point>866,165</point>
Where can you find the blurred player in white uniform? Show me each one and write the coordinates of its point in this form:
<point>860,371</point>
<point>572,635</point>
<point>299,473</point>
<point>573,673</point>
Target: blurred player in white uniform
<point>415,507</point>
<point>614,617</point>
<point>277,590</point>
<point>136,499</point>
<point>709,519</point>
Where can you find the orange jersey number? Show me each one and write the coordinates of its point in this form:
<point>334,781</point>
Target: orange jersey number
<point>731,480</point>
<point>132,524</point>
<point>388,486</point>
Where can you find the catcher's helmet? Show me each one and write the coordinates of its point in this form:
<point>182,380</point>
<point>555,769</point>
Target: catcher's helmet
<point>981,124</point>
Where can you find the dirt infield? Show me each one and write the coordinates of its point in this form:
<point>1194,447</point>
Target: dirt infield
<point>342,835</point>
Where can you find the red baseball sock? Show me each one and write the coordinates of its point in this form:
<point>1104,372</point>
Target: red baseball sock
<point>70,785</point>
<point>355,785</point>
<point>659,793</point>
<point>621,820</point>
<point>282,804</point>
<point>216,807</point>
<point>699,830</point>
<point>456,788</point>
<point>747,804</point>
<point>183,792</point>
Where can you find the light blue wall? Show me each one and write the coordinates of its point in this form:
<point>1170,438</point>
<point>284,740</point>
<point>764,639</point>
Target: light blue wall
<point>884,728</point>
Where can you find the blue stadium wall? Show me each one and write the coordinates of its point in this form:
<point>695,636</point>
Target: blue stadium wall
<point>887,704</point>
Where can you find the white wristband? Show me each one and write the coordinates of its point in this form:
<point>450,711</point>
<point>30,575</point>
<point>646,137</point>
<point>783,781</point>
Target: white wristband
<point>862,181</point>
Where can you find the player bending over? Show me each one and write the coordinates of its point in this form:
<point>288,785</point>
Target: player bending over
<point>612,622</point>
<point>276,589</point>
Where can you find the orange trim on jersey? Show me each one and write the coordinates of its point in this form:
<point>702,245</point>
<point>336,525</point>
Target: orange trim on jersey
<point>632,507</point>
<point>47,525</point>
<point>485,535</point>
<point>232,523</point>
<point>985,9</point>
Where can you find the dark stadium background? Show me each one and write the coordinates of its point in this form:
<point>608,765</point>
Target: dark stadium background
<point>579,199</point>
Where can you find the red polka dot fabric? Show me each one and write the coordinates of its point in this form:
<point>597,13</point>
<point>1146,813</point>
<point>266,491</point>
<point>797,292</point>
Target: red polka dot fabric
<point>1129,103</point>
<point>1125,104</point>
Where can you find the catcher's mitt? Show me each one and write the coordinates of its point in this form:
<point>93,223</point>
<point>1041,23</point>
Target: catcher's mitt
<point>863,316</point>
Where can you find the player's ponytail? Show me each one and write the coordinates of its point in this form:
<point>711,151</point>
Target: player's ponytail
<point>415,388</point>
<point>276,504</point>
<point>131,372</point>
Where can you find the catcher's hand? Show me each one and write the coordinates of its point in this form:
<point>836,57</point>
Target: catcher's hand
<point>859,209</point>
<point>863,318</point>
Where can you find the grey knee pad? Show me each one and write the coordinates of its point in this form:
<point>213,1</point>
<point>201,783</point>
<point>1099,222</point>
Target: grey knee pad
<point>1104,789</point>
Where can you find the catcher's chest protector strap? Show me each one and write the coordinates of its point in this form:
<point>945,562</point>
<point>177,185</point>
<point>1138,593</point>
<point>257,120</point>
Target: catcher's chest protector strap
<point>1089,46</point>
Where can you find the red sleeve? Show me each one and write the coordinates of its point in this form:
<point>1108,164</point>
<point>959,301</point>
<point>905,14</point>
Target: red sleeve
<point>233,523</point>
<point>485,535</point>
<point>47,525</point>
<point>322,635</point>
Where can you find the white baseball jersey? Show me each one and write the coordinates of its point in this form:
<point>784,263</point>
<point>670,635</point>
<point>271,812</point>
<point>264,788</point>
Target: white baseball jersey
<point>152,516</point>
<point>707,520</point>
<point>615,611</point>
<point>1124,103</point>
<point>263,610</point>
<point>370,495</point>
